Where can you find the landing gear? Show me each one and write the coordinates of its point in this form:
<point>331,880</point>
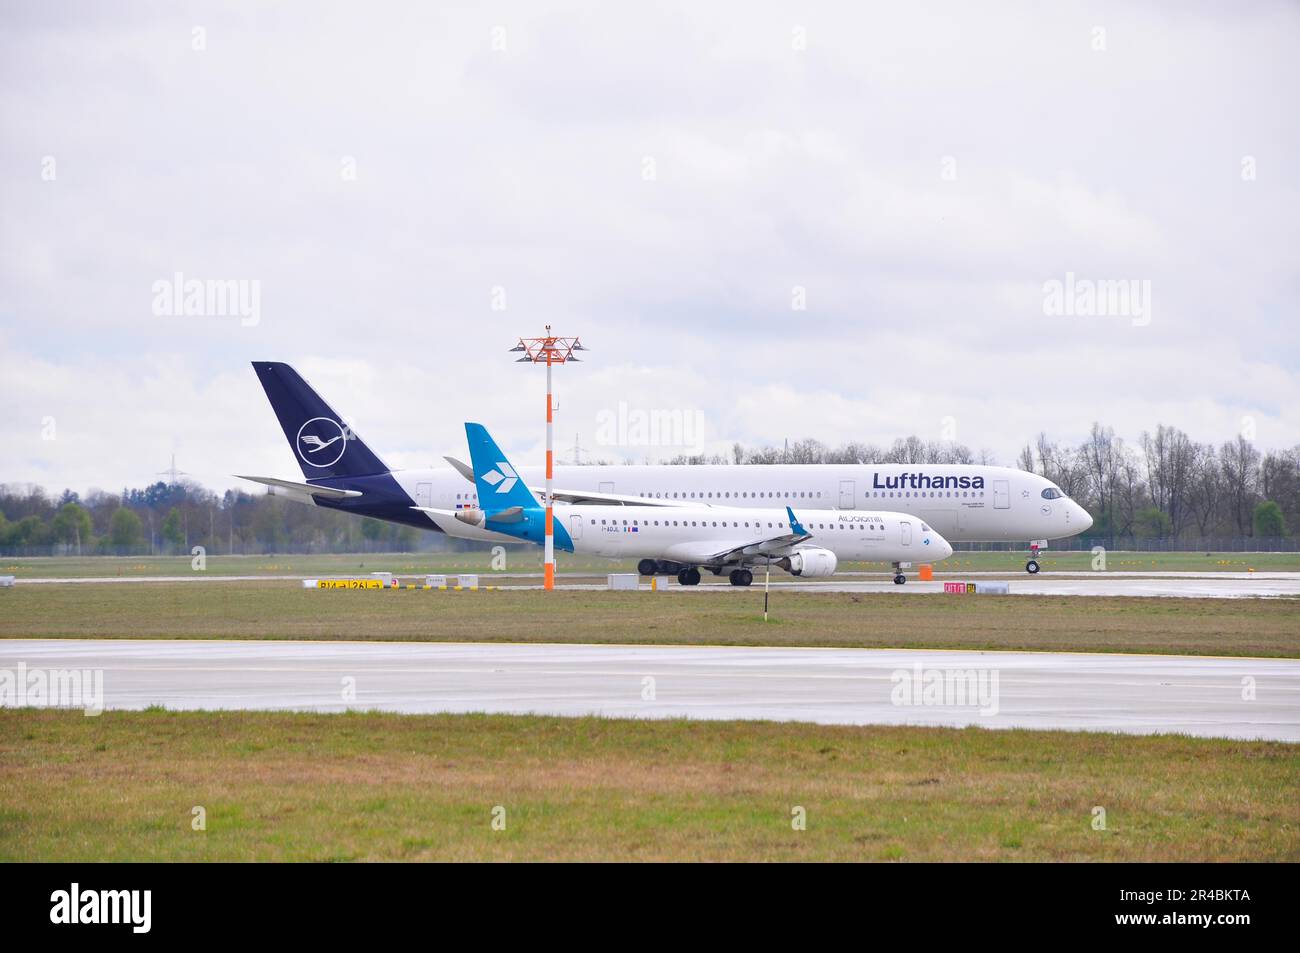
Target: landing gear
<point>689,577</point>
<point>1031,566</point>
<point>647,567</point>
<point>899,578</point>
<point>741,577</point>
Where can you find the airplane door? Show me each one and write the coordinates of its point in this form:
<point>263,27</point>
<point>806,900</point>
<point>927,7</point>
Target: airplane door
<point>1001,495</point>
<point>424,494</point>
<point>575,527</point>
<point>607,487</point>
<point>906,528</point>
<point>847,495</point>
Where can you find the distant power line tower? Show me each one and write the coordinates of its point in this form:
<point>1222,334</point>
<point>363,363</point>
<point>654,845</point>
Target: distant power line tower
<point>577,451</point>
<point>172,472</point>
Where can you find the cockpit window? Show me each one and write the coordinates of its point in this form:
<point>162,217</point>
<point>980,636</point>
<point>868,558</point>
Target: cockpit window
<point>1052,493</point>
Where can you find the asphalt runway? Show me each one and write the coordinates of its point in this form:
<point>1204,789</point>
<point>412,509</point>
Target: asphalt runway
<point>1207,585</point>
<point>1138,694</point>
<point>1186,585</point>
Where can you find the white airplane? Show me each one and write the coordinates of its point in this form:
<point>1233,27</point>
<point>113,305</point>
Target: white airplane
<point>685,538</point>
<point>962,503</point>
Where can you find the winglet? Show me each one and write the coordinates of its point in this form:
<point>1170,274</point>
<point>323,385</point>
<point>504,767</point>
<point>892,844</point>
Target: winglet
<point>464,469</point>
<point>795,525</point>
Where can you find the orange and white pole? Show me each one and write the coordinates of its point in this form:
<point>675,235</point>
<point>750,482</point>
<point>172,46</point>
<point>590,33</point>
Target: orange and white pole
<point>548,570</point>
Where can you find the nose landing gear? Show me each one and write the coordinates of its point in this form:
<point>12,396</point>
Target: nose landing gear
<point>899,578</point>
<point>1031,566</point>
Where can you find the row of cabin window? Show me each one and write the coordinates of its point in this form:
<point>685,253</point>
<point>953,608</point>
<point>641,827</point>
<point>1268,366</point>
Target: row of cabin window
<point>735,524</point>
<point>702,495</point>
<point>681,523</point>
<point>808,495</point>
<point>931,494</point>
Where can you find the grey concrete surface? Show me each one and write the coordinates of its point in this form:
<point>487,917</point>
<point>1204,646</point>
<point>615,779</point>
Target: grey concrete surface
<point>1123,693</point>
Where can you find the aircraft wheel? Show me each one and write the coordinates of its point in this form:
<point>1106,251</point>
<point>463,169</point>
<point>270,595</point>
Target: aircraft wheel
<point>741,577</point>
<point>647,567</point>
<point>689,577</point>
<point>900,579</point>
<point>1031,567</point>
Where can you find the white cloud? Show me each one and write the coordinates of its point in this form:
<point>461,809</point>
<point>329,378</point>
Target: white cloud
<point>523,169</point>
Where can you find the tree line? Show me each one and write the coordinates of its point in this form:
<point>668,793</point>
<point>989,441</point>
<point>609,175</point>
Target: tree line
<point>1166,486</point>
<point>173,518</point>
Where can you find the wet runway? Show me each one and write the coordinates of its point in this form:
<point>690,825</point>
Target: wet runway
<point>1207,585</point>
<point>1181,585</point>
<point>1212,697</point>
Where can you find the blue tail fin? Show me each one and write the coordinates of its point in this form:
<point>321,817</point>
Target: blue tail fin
<point>498,483</point>
<point>322,442</point>
<point>795,525</point>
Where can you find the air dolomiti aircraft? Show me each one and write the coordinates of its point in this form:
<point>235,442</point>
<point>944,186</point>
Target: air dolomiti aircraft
<point>959,502</point>
<point>682,538</point>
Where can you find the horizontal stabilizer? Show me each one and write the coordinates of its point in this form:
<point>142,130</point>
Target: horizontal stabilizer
<point>328,492</point>
<point>449,523</point>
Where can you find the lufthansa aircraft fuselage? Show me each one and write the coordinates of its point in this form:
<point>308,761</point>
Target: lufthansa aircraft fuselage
<point>962,502</point>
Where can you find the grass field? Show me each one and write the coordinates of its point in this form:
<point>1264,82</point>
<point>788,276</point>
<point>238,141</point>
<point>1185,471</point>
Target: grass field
<point>122,786</point>
<point>282,610</point>
<point>529,559</point>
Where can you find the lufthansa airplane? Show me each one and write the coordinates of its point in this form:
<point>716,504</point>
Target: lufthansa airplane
<point>959,502</point>
<point>684,538</point>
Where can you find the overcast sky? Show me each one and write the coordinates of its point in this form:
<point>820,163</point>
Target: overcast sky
<point>831,220</point>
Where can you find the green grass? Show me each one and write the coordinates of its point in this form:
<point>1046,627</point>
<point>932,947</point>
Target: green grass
<point>522,559</point>
<point>283,610</point>
<point>276,786</point>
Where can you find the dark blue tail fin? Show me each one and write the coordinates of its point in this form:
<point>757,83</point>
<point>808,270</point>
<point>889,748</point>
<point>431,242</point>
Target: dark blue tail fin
<point>322,442</point>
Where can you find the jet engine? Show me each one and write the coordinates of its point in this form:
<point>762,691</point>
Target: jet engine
<point>809,562</point>
<point>471,516</point>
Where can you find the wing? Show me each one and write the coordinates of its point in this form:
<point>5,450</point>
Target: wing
<point>770,548</point>
<point>609,499</point>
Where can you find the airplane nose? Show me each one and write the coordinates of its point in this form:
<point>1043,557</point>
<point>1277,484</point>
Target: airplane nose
<point>1085,518</point>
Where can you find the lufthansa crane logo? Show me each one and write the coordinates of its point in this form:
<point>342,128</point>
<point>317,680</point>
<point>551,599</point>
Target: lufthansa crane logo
<point>316,437</point>
<point>503,477</point>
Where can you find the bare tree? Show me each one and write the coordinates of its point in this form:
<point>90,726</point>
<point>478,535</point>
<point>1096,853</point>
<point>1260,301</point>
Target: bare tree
<point>1239,463</point>
<point>1204,488</point>
<point>1169,456</point>
<point>1102,463</point>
